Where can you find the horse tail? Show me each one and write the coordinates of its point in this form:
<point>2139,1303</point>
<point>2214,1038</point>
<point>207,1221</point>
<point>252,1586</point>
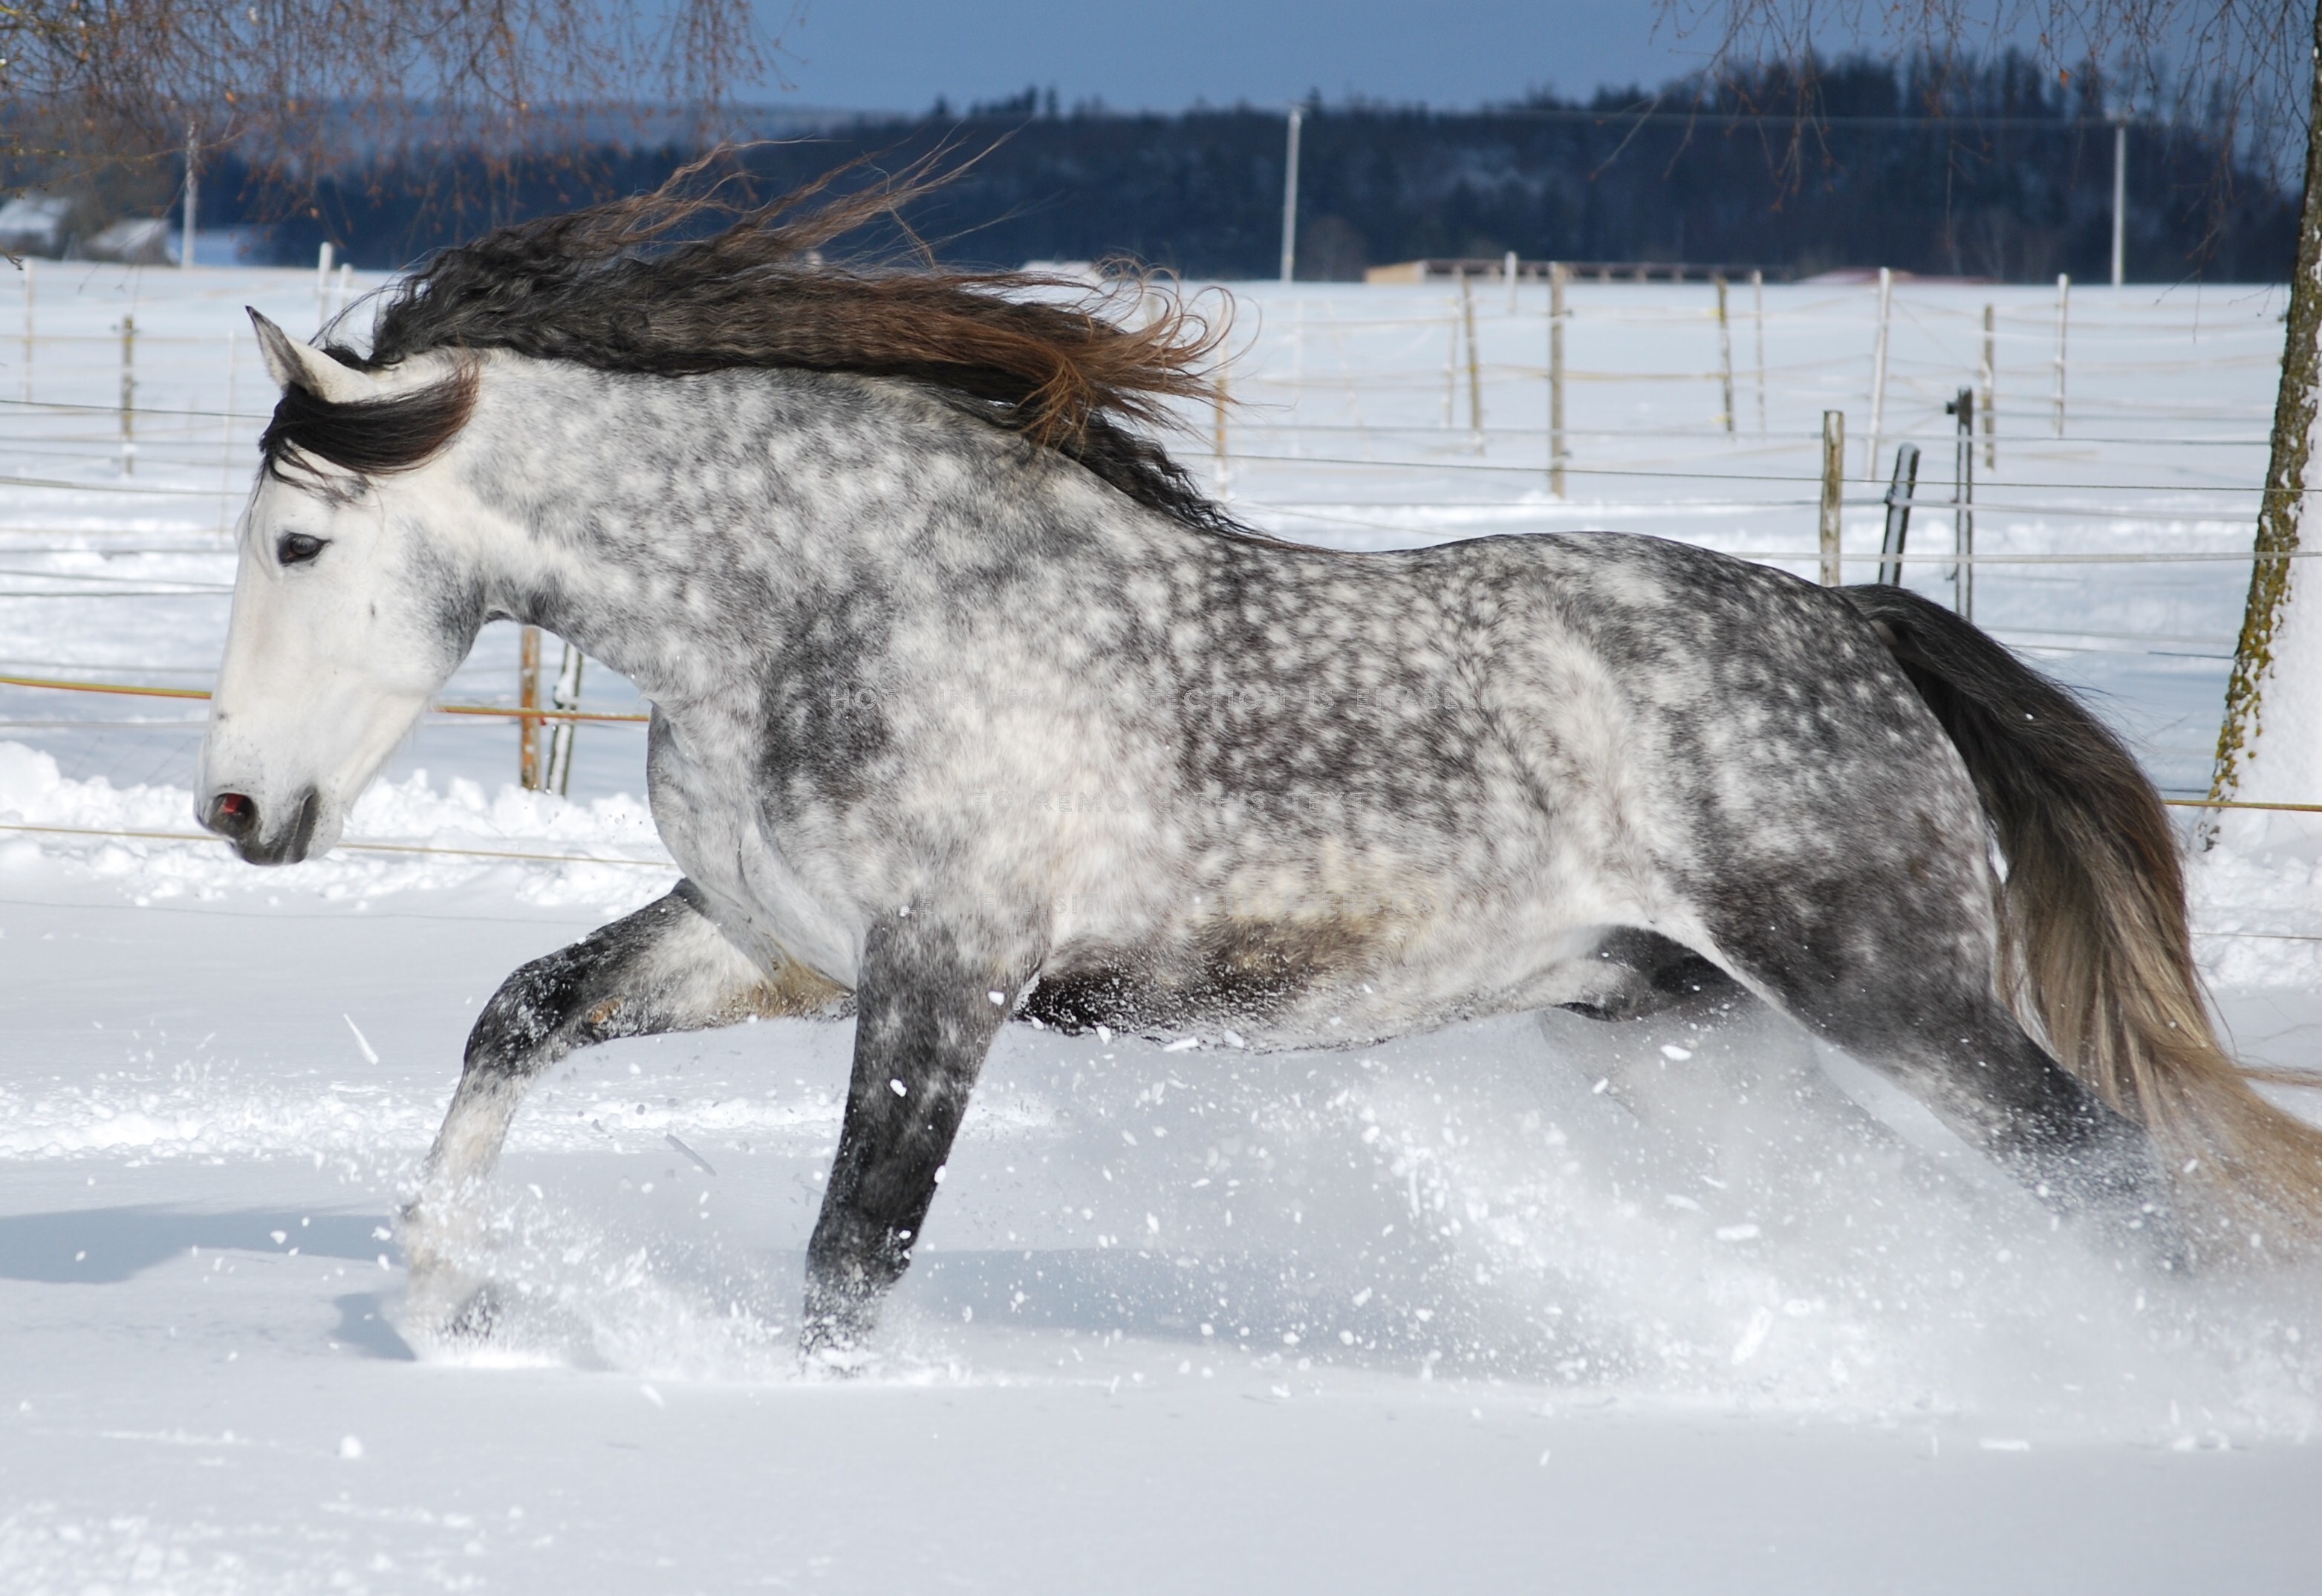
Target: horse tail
<point>2093,935</point>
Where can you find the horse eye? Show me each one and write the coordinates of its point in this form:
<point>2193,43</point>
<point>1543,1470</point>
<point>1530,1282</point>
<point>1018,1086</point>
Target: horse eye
<point>297,548</point>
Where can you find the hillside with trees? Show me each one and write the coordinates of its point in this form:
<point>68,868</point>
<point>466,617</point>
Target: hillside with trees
<point>2004,173</point>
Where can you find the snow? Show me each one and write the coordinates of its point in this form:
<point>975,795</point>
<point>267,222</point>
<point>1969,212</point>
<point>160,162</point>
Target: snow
<point>1528,1303</point>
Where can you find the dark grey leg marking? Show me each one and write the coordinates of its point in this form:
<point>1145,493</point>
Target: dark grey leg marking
<point>1645,973</point>
<point>1936,1026</point>
<point>925,1018</point>
<point>665,968</point>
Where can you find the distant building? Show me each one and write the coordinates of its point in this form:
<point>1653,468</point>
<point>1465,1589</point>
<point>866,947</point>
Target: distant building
<point>135,240</point>
<point>36,225</point>
<point>1440,270</point>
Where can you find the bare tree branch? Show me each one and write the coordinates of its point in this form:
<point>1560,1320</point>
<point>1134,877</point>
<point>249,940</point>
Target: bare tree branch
<point>299,86</point>
<point>2237,66</point>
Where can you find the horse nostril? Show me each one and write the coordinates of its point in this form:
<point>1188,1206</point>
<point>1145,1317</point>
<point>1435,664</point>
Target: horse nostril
<point>233,815</point>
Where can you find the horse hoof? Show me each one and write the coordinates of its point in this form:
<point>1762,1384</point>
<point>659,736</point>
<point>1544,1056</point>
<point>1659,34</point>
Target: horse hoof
<point>451,1310</point>
<point>829,1361</point>
<point>832,1344</point>
<point>478,1318</point>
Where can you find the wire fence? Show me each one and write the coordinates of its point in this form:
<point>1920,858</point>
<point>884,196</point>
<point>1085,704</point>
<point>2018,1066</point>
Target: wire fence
<point>2111,476</point>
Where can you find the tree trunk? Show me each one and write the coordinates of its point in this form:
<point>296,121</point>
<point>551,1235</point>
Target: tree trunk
<point>2270,749</point>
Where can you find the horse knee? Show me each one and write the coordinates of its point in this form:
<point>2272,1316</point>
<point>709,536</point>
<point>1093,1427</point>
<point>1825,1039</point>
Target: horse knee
<point>535,1009</point>
<point>666,968</point>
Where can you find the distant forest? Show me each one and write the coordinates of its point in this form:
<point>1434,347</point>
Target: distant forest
<point>2001,173</point>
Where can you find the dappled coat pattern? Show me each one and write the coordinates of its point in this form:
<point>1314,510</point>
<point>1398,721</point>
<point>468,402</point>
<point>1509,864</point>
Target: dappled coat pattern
<point>967,708</point>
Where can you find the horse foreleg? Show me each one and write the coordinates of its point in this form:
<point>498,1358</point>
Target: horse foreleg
<point>928,1004</point>
<point>665,968</point>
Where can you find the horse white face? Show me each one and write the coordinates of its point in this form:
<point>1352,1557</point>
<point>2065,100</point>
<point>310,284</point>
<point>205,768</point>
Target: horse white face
<point>341,632</point>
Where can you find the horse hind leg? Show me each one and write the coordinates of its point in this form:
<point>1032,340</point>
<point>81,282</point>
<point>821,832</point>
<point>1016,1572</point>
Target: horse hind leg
<point>1904,984</point>
<point>665,968</point>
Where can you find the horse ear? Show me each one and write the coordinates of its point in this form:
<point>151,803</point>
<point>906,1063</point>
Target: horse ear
<point>293,364</point>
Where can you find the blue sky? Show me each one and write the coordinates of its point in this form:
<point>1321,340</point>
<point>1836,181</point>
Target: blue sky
<point>900,54</point>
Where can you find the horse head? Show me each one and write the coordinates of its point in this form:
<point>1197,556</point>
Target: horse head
<point>348,614</point>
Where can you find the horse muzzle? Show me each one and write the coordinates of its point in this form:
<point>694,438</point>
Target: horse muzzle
<point>236,816</point>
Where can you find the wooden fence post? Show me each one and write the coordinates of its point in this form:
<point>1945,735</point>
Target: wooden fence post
<point>1724,355</point>
<point>2063,308</point>
<point>1558,275</point>
<point>1475,361</point>
<point>127,396</point>
<point>1451,365</point>
<point>1833,470</point>
<point>1990,400</point>
<point>1758,313</point>
<point>28,330</point>
<point>226,441</point>
<point>527,700</point>
<point>1878,374</point>
<point>1218,400</point>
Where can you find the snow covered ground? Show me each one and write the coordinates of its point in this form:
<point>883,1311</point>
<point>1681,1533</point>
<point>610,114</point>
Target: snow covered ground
<point>1529,1304</point>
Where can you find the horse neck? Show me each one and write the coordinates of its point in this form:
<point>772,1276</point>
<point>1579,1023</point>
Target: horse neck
<point>671,589</point>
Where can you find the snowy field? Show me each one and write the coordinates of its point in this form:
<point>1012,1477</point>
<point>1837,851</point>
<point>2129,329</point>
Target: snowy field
<point>1528,1305</point>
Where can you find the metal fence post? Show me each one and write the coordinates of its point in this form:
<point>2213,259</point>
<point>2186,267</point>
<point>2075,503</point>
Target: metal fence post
<point>1963,503</point>
<point>567,698</point>
<point>1290,198</point>
<point>1898,515</point>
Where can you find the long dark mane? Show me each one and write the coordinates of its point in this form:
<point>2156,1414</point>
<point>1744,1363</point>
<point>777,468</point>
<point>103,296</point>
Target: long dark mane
<point>683,280</point>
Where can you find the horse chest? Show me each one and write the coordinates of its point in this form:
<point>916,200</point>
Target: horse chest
<point>709,818</point>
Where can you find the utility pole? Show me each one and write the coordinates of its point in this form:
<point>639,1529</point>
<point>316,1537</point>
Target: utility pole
<point>1290,199</point>
<point>193,189</point>
<point>2119,202</point>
